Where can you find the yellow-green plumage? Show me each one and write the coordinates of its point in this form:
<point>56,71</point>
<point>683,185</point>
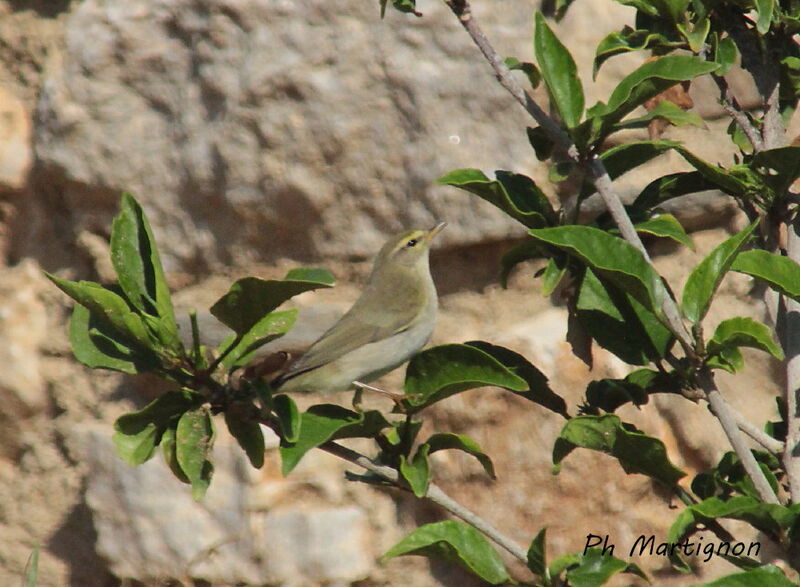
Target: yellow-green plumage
<point>392,320</point>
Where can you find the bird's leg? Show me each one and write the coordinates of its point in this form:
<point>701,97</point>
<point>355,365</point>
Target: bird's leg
<point>395,397</point>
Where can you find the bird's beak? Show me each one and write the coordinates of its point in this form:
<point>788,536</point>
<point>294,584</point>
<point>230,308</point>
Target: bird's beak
<point>434,231</point>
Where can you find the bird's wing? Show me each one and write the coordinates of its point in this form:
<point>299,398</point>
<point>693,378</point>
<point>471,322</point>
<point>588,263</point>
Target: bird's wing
<point>353,331</point>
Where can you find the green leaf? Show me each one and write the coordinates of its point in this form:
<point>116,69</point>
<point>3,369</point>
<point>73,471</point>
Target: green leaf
<point>417,471</point>
<point>249,436</point>
<point>647,81</point>
<point>250,299</point>
<point>288,416</point>
<point>766,517</point>
<point>695,33</point>
<point>541,142</point>
<point>739,332</point>
<point>764,8</point>
<point>671,186</point>
<point>537,553</point>
<point>93,344</point>
<point>706,277</point>
<point>515,194</point>
<point>32,569</point>
<point>552,276</point>
<point>635,388</point>
<point>312,274</point>
<point>194,439</point>
<point>622,158</point>
<point>457,543</point>
<point>538,390</point>
<point>611,258</point>
<point>725,54</point>
<point>272,326</point>
<point>666,110</point>
<point>529,69</point>
<point>665,226</point>
<point>462,442</point>
<point>780,167</point>
<point>721,178</point>
<point>169,452</point>
<point>559,73</point>
<point>406,6</point>
<point>595,568</point>
<point>107,307</point>
<point>138,433</point>
<point>635,451</point>
<point>135,258</point>
<point>763,576</point>
<point>781,273</point>
<point>324,422</point>
<point>439,372</point>
<point>627,40</point>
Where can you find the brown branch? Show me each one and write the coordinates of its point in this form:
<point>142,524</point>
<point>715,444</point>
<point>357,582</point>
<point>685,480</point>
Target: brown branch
<point>733,109</point>
<point>435,494</point>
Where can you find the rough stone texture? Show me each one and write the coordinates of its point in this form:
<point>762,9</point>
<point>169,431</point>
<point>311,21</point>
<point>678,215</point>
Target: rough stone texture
<point>253,130</point>
<point>16,155</point>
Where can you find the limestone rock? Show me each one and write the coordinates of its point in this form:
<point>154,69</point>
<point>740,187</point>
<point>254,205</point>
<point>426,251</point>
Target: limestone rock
<point>16,154</point>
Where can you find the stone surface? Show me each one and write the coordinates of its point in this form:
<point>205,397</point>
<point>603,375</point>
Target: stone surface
<point>251,527</point>
<point>16,154</point>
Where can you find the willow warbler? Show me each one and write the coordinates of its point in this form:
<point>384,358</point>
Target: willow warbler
<point>392,320</point>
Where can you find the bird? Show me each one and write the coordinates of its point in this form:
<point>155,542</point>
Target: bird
<point>390,322</point>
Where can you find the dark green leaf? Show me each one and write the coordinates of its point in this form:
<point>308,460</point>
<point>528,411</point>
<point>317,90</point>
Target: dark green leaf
<point>665,110</point>
<point>635,451</point>
<point>138,433</point>
<point>635,388</point>
<point>665,226</point>
<point>515,194</point>
<point>622,158</point>
<point>781,273</point>
<point>439,372</point>
<point>194,438</point>
<point>324,422</point>
<point>695,33</point>
<point>552,276</point>
<point>706,277</point>
<point>739,332</point>
<point>272,326</point>
<point>559,73</point>
<point>108,307</point>
<point>763,576</point>
<point>168,450</point>
<point>541,142</point>
<point>249,436</point>
<point>406,6</point>
<point>538,390</point>
<point>448,440</point>
<point>529,69</point>
<point>312,274</point>
<point>537,553</point>
<point>726,54</point>
<point>671,186</point>
<point>250,299</point>
<point>288,416</point>
<point>780,167</point>
<point>649,80</point>
<point>722,178</point>
<point>767,517</point>
<point>627,40</point>
<point>457,543</point>
<point>93,344</point>
<point>417,471</point>
<point>135,258</point>
<point>611,258</point>
<point>595,568</point>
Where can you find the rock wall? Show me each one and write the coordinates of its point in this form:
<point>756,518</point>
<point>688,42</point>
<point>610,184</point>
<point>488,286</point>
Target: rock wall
<point>254,132</point>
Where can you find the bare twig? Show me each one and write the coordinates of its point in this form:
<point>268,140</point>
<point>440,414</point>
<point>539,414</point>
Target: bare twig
<point>435,494</point>
<point>727,418</point>
<point>602,181</point>
<point>733,109</point>
<point>773,445</point>
<point>791,347</point>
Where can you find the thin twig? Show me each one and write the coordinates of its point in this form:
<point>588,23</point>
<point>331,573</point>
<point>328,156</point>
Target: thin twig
<point>773,445</point>
<point>791,347</point>
<point>726,417</point>
<point>602,181</point>
<point>435,494</point>
<point>733,109</point>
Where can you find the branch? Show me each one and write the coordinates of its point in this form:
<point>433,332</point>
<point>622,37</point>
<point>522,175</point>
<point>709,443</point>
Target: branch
<point>791,347</point>
<point>727,418</point>
<point>773,445</point>
<point>733,109</point>
<point>435,494</point>
<point>602,182</point>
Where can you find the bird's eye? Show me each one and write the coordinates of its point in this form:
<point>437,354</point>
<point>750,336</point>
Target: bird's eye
<point>411,242</point>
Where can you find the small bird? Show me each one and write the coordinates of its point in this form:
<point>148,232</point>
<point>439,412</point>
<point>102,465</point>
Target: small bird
<point>392,320</point>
